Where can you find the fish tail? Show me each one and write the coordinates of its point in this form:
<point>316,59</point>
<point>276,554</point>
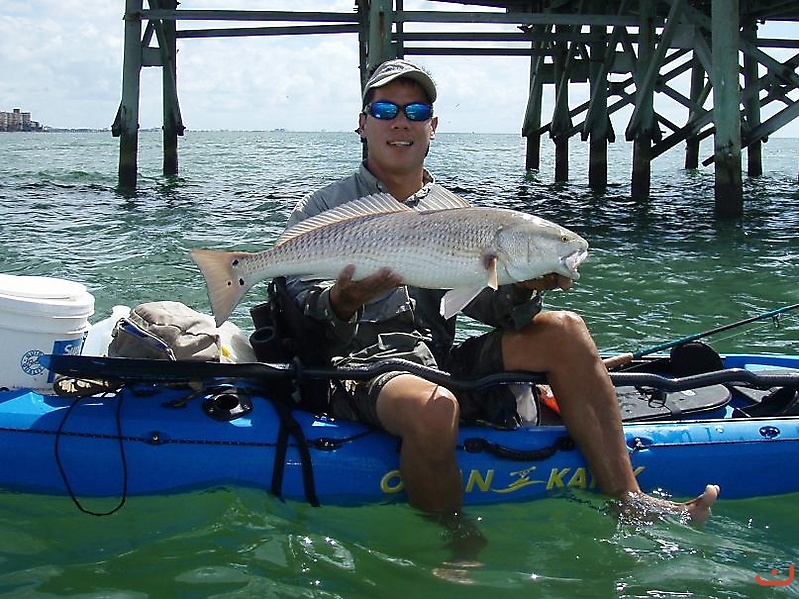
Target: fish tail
<point>225,283</point>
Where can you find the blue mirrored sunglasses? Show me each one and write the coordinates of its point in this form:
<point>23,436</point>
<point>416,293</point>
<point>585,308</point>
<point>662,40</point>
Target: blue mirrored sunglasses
<point>385,111</point>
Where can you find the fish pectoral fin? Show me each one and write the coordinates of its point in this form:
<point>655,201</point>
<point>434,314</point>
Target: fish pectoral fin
<point>456,300</point>
<point>492,279</point>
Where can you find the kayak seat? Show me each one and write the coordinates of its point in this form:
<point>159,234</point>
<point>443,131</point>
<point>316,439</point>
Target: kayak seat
<point>780,401</point>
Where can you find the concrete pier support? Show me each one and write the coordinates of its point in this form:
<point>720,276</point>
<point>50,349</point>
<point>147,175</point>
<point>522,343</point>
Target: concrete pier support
<point>641,135</point>
<point>598,129</point>
<point>376,40</point>
<point>139,54</point>
<point>726,111</point>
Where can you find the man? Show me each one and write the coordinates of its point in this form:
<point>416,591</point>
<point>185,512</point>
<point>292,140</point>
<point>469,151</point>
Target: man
<point>379,317</point>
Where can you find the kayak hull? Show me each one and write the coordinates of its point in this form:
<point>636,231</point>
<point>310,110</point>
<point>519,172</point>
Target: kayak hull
<point>150,440</point>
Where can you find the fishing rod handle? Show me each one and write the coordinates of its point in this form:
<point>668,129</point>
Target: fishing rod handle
<point>616,361</point>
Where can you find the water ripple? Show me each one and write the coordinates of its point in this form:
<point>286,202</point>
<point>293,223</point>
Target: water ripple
<point>658,270</point>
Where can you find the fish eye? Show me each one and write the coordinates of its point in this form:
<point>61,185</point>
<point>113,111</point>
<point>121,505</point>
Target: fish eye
<point>564,238</point>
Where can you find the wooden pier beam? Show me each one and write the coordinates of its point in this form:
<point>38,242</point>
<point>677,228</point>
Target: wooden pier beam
<point>643,116</point>
<point>754,163</point>
<point>598,130</point>
<point>531,125</point>
<point>726,109</point>
<point>173,124</point>
<point>697,89</point>
<point>561,120</point>
<point>126,124</point>
<point>379,48</point>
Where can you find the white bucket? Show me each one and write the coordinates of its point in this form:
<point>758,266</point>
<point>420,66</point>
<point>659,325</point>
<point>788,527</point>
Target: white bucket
<point>38,316</point>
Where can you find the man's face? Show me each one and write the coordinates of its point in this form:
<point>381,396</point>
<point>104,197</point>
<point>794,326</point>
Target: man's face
<point>398,145</point>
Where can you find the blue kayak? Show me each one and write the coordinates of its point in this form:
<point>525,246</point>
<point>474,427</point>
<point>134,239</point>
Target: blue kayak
<point>153,433</point>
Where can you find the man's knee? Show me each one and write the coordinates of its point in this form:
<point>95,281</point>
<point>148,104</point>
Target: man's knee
<point>553,340</point>
<point>435,422</point>
<point>562,321</point>
<point>442,408</point>
<point>417,408</point>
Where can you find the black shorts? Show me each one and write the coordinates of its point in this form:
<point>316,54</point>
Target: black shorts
<point>474,358</point>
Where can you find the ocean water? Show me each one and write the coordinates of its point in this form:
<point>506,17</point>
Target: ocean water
<point>658,270</point>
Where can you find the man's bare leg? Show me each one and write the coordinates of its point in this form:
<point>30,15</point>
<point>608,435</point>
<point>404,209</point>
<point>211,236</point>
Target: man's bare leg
<point>559,344</point>
<point>425,416</point>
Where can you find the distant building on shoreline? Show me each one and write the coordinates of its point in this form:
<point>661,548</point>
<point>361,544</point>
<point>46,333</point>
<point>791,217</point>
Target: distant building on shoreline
<point>16,120</point>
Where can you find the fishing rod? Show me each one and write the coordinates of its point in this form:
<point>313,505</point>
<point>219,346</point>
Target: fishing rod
<point>622,359</point>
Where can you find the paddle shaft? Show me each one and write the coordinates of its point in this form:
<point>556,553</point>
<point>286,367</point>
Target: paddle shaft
<point>622,359</point>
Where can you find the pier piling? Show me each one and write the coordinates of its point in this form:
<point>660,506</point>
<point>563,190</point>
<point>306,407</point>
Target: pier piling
<point>726,111</point>
<point>531,123</point>
<point>631,53</point>
<point>754,163</point>
<point>641,126</point>
<point>561,119</point>
<point>166,32</point>
<point>126,124</point>
<point>698,91</point>
<point>598,129</point>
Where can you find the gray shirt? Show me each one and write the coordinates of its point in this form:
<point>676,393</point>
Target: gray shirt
<point>406,321</point>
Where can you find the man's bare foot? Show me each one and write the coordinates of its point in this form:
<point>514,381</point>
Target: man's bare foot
<point>464,539</point>
<point>699,508</point>
<point>640,507</point>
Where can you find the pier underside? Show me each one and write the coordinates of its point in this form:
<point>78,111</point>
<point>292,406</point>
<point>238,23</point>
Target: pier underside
<point>703,56</point>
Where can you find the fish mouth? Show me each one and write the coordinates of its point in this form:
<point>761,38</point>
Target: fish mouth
<point>571,263</point>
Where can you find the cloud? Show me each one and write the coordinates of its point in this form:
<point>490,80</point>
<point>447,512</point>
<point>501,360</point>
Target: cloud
<point>62,60</point>
<point>63,63</point>
<point>274,84</point>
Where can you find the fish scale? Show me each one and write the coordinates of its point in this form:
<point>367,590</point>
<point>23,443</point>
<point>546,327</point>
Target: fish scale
<point>461,248</point>
<point>412,251</point>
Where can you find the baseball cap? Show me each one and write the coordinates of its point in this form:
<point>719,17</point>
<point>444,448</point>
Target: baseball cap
<point>396,68</point>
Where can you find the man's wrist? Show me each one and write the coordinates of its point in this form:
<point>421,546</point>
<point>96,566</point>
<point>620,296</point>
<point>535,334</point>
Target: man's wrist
<point>340,307</point>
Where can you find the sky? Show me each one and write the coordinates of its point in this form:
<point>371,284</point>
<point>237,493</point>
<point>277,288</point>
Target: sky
<point>62,62</point>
